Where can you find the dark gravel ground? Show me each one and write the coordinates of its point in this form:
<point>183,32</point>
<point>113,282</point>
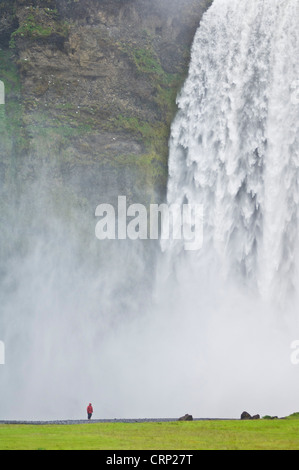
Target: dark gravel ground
<point>84,421</point>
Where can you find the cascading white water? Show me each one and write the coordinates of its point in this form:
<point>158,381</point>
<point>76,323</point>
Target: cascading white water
<point>234,149</point>
<point>234,144</point>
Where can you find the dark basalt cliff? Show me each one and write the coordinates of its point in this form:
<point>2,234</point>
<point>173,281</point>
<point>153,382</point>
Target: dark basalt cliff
<point>90,91</point>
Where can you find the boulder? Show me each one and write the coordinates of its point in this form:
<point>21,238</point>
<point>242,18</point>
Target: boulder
<point>245,415</point>
<point>186,418</point>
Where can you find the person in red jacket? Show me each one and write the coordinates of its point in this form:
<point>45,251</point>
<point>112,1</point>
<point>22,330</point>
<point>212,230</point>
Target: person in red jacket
<point>89,411</point>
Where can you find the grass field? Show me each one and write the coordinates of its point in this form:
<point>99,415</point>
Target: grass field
<point>262,434</point>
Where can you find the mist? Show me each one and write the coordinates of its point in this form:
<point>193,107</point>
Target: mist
<point>115,324</point>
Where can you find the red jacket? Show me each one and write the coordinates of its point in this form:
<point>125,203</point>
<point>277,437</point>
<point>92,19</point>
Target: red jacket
<point>89,408</point>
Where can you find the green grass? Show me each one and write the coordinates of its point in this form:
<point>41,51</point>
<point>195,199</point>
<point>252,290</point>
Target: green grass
<point>195,435</point>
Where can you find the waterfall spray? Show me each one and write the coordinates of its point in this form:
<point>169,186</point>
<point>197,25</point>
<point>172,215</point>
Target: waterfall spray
<point>217,335</point>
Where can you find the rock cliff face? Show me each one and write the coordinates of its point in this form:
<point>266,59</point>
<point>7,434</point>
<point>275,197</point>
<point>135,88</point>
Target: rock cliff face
<point>91,87</point>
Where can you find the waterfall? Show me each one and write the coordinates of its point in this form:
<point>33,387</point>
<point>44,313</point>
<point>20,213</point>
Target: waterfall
<point>234,144</point>
<point>234,149</point>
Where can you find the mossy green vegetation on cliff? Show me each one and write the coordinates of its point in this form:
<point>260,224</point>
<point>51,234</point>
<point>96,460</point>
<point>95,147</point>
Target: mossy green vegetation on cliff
<point>97,85</point>
<point>153,134</point>
<point>39,23</point>
<point>11,124</point>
